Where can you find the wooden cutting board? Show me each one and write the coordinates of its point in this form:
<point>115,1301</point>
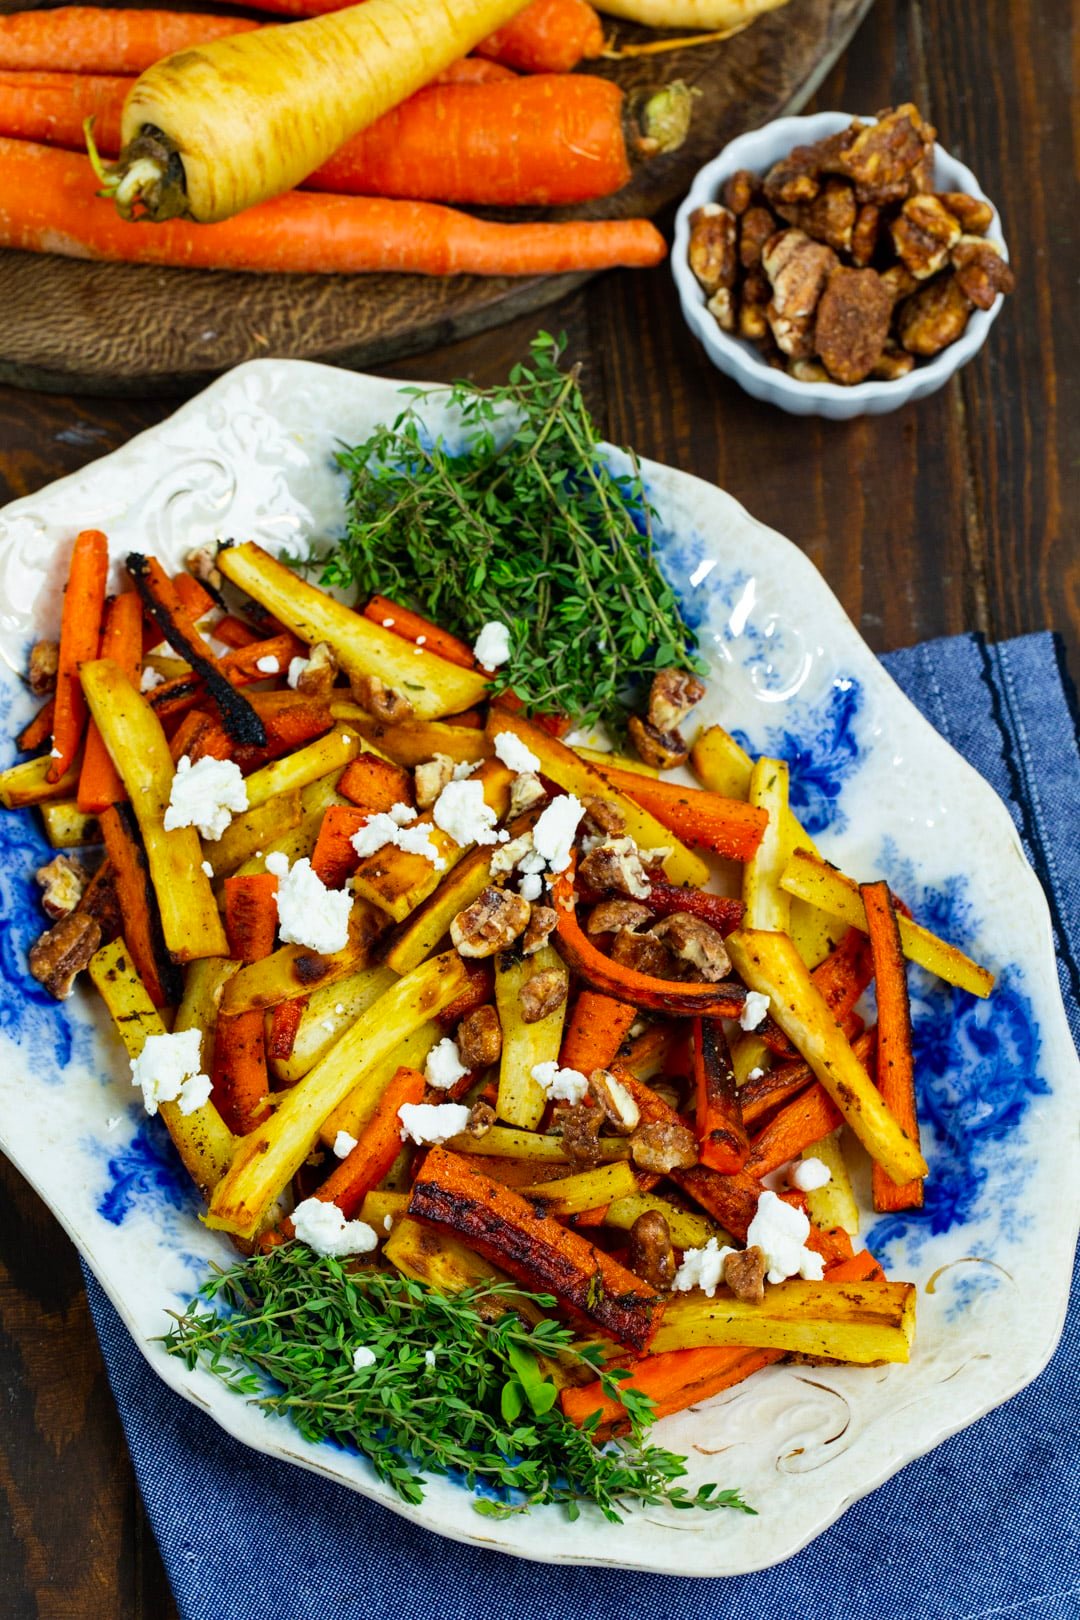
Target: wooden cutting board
<point>129,329</point>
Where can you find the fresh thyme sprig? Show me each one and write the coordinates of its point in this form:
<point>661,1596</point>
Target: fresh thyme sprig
<point>528,526</point>
<point>458,1385</point>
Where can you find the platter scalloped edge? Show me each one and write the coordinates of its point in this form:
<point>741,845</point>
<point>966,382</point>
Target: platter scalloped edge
<point>252,457</point>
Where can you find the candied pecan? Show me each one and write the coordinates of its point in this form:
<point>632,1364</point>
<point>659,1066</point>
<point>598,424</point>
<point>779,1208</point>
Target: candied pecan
<point>542,994</point>
<point>755,228</point>
<point>721,306</point>
<point>580,1133</point>
<point>525,790</point>
<point>664,749</point>
<point>603,816</point>
<point>663,1146</point>
<point>44,662</point>
<point>744,1274</point>
<point>380,700</point>
<point>430,777</point>
<point>755,288</point>
<point>794,179</point>
<point>712,247</point>
<point>318,675</point>
<point>922,234</point>
<point>481,1118</point>
<point>507,856</point>
<point>798,270</point>
<point>829,218</point>
<point>643,954</point>
<point>618,1105</point>
<point>479,1038</point>
<point>650,1254</point>
<point>740,189</point>
<point>674,692</point>
<point>852,324</point>
<point>62,953</point>
<point>881,156</point>
<point>753,325</point>
<point>63,882</point>
<point>695,942</point>
<point>615,864</point>
<point>493,921</point>
<point>975,215</point>
<point>808,371</point>
<point>542,920</point>
<point>865,234</point>
<point>934,317</point>
<point>610,916</point>
<point>981,272</point>
<point>203,564</point>
<point>898,282</point>
<point>892,363</point>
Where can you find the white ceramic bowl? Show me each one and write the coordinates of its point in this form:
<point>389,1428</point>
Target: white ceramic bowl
<point>758,151</point>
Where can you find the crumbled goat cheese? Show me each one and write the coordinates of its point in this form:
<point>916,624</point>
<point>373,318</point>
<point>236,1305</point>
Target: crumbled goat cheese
<point>323,1227</point>
<point>169,1069</point>
<point>387,624</point>
<point>754,1011</point>
<point>208,870</point>
<point>553,835</point>
<point>702,1268</point>
<point>308,912</point>
<point>780,1232</point>
<point>465,768</point>
<point>164,649</point>
<point>205,795</point>
<point>755,1074</point>
<point>363,1357</point>
<point>150,678</point>
<point>344,1142</point>
<point>432,1122</point>
<point>392,827</point>
<point>462,814</point>
<point>560,1085</point>
<point>492,646</point>
<point>444,1067</point>
<point>297,667</point>
<point>515,754</point>
<point>531,887</point>
<point>268,665</point>
<point>388,1223</point>
<point>809,1174</point>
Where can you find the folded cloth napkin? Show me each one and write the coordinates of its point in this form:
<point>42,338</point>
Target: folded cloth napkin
<point>988,1524</point>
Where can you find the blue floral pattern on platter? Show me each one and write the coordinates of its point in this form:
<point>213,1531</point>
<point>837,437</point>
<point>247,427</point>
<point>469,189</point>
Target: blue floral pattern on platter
<point>821,756</point>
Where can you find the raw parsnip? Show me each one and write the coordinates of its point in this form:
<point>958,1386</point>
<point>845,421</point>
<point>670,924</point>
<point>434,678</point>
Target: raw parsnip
<point>219,127</point>
<point>709,14</point>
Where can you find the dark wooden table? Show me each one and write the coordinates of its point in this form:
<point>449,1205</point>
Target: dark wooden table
<point>955,514</point>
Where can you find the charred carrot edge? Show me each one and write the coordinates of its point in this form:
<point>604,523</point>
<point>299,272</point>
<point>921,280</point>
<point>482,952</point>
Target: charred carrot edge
<point>197,734</point>
<point>138,906</point>
<point>723,913</point>
<point>235,633</point>
<point>534,1248</point>
<point>415,628</point>
<point>37,730</point>
<point>718,1121</point>
<point>241,1085</point>
<point>728,827</point>
<point>287,727</point>
<point>375,784</point>
<point>377,1148</point>
<point>479,991</point>
<point>333,859</point>
<point>597,1028</point>
<point>284,1023</point>
<point>101,901</point>
<point>121,640</point>
<point>251,917</point>
<point>807,1118</point>
<point>895,1058</point>
<point>623,983</point>
<point>80,637</point>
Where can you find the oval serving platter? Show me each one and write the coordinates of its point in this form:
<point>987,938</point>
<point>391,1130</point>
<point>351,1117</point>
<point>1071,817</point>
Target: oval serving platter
<point>883,794</point>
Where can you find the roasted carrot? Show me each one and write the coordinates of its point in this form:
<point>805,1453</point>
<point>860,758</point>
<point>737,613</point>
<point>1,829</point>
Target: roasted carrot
<point>50,204</point>
<point>196,600</point>
<point>895,1058</point>
<point>478,992</point>
<point>241,1085</point>
<point>729,827</point>
<point>199,734</point>
<point>807,1118</point>
<point>251,917</point>
<point>235,633</point>
<point>333,859</point>
<point>533,1247</point>
<point>415,628</point>
<point>761,1096</point>
<point>596,1030</point>
<point>121,640</point>
<point>845,973</point>
<point>718,1119</point>
<point>80,635</point>
<point>138,906</point>
<point>375,784</point>
<point>723,913</point>
<point>284,1023</point>
<point>38,730</point>
<point>377,1147</point>
<point>92,39</point>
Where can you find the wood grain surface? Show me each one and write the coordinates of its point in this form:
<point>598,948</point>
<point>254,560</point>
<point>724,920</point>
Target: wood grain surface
<point>957,513</point>
<point>135,328</point>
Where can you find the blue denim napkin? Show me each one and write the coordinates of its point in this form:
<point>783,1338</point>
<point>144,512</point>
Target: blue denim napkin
<point>986,1525</point>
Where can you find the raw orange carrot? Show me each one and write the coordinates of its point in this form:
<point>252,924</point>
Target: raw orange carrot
<point>412,626</point>
<point>333,859</point>
<point>241,1085</point>
<point>91,39</point>
<point>121,640</point>
<point>723,913</point>
<point>718,1121</point>
<point>533,1247</point>
<point>284,1023</point>
<point>474,70</point>
<point>138,906</point>
<point>597,1028</point>
<point>807,1118</point>
<point>251,917</point>
<point>53,107</point>
<point>49,203</point>
<point>37,730</point>
<point>895,1058</point>
<point>375,784</point>
<point>80,636</point>
<point>378,1146</point>
<point>729,827</point>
